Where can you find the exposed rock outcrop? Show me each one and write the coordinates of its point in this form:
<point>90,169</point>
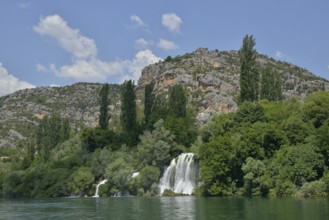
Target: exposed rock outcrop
<point>212,79</point>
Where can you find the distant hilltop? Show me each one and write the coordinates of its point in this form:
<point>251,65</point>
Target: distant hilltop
<point>210,77</point>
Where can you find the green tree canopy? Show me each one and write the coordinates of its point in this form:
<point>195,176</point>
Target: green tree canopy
<point>104,102</point>
<point>249,74</point>
<point>271,88</point>
<point>128,113</point>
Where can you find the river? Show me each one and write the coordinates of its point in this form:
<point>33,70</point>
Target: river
<point>146,208</point>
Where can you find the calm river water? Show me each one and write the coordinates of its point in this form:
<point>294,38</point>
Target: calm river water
<point>165,208</point>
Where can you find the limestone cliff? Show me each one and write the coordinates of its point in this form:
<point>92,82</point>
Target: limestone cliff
<point>212,79</point>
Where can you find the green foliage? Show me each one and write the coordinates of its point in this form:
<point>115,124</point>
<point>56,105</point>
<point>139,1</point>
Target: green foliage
<point>291,167</point>
<point>128,113</point>
<point>118,173</point>
<point>145,181</point>
<point>177,101</point>
<point>219,125</point>
<point>322,141</point>
<point>183,128</point>
<point>104,102</point>
<point>168,59</point>
<point>249,112</point>
<point>155,147</point>
<point>97,138</point>
<point>148,104</point>
<point>316,189</point>
<point>216,166</point>
<point>271,85</point>
<point>99,161</point>
<point>253,172</point>
<point>50,132</point>
<point>249,74</point>
<point>296,130</point>
<point>316,108</point>
<point>81,181</point>
<point>160,108</point>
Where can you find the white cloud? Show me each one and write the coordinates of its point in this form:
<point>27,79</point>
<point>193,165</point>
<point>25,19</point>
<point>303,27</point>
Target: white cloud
<point>70,39</point>
<point>142,59</point>
<point>24,5</point>
<point>95,70</point>
<point>172,22</point>
<point>141,43</point>
<point>86,66</point>
<point>138,21</point>
<point>9,83</point>
<point>41,68</point>
<point>279,54</point>
<point>282,56</point>
<point>166,44</point>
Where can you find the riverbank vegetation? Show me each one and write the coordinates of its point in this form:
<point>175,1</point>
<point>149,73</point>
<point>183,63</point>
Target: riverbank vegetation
<point>266,148</point>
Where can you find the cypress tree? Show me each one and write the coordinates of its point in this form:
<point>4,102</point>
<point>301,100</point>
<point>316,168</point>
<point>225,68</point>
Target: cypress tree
<point>128,113</point>
<point>249,75</point>
<point>271,88</point>
<point>104,102</point>
<point>148,104</point>
<point>177,101</point>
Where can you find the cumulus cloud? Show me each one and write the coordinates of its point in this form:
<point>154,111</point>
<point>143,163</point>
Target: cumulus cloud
<point>279,54</point>
<point>166,44</point>
<point>41,68</point>
<point>282,56</point>
<point>93,70</point>
<point>86,66</point>
<point>70,39</point>
<point>137,21</point>
<point>141,43</point>
<point>142,58</point>
<point>97,71</point>
<point>172,22</point>
<point>9,83</point>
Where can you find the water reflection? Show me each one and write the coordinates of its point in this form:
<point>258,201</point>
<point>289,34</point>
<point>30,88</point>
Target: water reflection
<point>178,207</point>
<point>165,208</point>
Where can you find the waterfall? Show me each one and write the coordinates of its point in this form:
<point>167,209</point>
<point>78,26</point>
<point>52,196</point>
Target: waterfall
<point>180,176</point>
<point>97,187</point>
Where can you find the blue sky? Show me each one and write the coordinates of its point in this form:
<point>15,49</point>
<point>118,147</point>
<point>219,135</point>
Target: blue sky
<point>46,42</point>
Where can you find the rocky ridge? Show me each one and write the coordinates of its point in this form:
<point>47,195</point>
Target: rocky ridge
<point>21,111</point>
<point>210,77</point>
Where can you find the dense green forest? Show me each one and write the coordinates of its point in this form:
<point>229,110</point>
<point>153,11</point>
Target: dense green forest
<point>268,147</point>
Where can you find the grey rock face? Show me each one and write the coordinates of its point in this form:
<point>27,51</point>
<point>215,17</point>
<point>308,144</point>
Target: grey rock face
<point>212,79</point>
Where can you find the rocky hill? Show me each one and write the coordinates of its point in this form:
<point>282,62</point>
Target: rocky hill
<point>21,111</point>
<point>210,77</point>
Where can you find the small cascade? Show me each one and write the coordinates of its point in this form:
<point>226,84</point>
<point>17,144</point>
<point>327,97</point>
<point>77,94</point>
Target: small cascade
<point>98,185</point>
<point>180,176</point>
<point>134,175</point>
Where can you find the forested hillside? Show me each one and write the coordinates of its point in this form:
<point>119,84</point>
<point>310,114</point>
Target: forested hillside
<point>257,127</point>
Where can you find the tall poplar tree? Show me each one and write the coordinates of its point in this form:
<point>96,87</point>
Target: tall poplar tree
<point>128,113</point>
<point>104,102</point>
<point>177,101</point>
<point>249,75</point>
<point>271,85</point>
<point>148,104</point>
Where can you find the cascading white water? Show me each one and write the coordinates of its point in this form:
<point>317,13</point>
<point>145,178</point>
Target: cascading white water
<point>97,187</point>
<point>180,176</point>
